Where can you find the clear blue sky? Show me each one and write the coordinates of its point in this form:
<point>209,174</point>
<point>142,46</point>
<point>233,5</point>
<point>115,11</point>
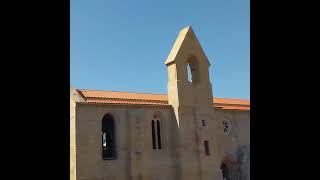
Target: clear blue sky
<point>121,45</point>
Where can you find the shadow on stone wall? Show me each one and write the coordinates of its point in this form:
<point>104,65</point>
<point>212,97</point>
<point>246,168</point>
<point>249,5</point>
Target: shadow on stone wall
<point>243,159</point>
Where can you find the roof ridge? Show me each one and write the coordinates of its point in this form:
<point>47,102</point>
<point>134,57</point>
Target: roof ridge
<point>118,97</point>
<point>119,91</point>
<point>158,100</point>
<point>125,99</point>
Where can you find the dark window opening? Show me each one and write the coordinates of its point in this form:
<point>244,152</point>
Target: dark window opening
<point>108,137</point>
<point>203,123</point>
<point>225,172</point>
<point>159,134</point>
<point>153,135</point>
<point>206,148</point>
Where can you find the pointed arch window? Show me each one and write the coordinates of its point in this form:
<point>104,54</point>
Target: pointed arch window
<point>108,137</point>
<point>159,134</point>
<point>154,146</point>
<point>156,133</point>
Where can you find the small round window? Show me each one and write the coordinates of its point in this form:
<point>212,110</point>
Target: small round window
<point>226,127</point>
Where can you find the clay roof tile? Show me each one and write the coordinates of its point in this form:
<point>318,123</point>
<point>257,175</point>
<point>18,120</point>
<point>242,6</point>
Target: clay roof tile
<point>113,97</point>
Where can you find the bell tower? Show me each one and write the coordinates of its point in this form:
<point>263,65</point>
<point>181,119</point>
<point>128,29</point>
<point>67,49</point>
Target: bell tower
<point>190,94</point>
<point>195,93</point>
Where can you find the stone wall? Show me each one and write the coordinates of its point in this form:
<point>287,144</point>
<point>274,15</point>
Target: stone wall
<point>135,156</point>
<point>236,145</point>
<point>138,160</point>
<point>74,97</point>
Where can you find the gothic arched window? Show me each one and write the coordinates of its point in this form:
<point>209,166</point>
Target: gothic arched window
<point>159,134</point>
<point>156,132</point>
<point>154,146</point>
<point>108,137</point>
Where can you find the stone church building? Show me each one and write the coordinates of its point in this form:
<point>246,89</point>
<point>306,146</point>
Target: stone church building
<point>186,134</point>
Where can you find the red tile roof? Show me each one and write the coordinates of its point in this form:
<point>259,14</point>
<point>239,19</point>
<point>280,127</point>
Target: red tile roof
<point>112,97</point>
